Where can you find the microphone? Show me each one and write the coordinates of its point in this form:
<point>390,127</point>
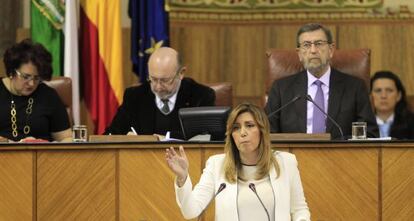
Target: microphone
<point>309,98</point>
<point>297,97</point>
<point>221,188</point>
<point>253,188</point>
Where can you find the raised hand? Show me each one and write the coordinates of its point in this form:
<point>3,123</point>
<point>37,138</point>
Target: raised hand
<point>178,163</point>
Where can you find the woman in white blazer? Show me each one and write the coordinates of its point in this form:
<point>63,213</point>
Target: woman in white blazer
<point>249,181</point>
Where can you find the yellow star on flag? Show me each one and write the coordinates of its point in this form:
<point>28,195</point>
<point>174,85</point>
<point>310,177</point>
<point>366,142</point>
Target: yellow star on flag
<point>154,46</point>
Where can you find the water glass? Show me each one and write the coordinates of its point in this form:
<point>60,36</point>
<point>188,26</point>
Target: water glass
<point>80,133</point>
<point>359,130</point>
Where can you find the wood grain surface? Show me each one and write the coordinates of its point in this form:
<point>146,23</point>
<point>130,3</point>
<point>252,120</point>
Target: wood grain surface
<point>131,181</point>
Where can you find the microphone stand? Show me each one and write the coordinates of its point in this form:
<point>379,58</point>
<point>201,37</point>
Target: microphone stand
<point>283,106</point>
<point>253,188</point>
<point>309,98</point>
<point>221,188</point>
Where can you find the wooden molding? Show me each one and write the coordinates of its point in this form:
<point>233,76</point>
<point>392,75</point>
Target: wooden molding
<point>122,138</point>
<point>299,136</point>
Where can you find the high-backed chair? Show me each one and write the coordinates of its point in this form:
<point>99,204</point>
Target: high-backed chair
<point>285,62</point>
<point>63,86</point>
<point>224,93</point>
<point>410,103</point>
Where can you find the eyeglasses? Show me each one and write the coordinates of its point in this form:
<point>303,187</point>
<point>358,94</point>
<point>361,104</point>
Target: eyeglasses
<point>306,45</point>
<point>163,81</point>
<point>28,77</point>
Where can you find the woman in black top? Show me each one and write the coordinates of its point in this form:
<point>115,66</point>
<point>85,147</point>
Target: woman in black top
<point>390,105</point>
<point>30,109</point>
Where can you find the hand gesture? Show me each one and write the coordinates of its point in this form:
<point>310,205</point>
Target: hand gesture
<point>178,163</point>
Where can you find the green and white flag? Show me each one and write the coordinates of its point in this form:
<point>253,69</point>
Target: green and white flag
<point>47,18</point>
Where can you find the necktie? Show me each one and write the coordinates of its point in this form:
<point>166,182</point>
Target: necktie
<point>385,129</point>
<point>165,109</point>
<point>319,119</point>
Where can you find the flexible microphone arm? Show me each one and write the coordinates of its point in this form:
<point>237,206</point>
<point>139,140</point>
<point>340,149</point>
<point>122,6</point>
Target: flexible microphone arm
<point>297,97</point>
<point>221,188</point>
<point>253,188</point>
<point>309,98</point>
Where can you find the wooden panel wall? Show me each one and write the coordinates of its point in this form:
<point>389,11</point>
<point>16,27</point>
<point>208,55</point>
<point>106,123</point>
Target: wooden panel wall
<point>391,44</point>
<point>17,199</point>
<point>398,181</point>
<point>131,181</point>
<point>235,52</point>
<point>146,183</point>
<point>76,185</point>
<point>336,186</point>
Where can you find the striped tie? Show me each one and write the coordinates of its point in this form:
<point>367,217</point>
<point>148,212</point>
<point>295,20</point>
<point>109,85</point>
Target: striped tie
<point>165,109</point>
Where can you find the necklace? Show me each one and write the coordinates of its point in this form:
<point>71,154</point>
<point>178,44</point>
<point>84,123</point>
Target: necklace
<point>249,165</point>
<point>13,116</point>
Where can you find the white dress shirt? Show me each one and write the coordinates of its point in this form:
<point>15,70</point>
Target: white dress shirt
<point>385,126</point>
<point>171,102</point>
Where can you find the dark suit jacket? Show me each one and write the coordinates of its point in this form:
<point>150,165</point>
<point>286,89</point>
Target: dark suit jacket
<point>139,109</point>
<point>348,102</point>
<point>403,126</point>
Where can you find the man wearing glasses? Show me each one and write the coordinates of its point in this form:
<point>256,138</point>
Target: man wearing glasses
<point>152,108</point>
<point>344,97</point>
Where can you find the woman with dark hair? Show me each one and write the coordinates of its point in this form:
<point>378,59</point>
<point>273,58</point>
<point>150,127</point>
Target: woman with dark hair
<point>31,109</point>
<point>249,181</point>
<point>390,105</point>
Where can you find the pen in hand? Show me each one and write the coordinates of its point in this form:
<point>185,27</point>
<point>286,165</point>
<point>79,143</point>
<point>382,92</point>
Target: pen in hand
<point>134,131</point>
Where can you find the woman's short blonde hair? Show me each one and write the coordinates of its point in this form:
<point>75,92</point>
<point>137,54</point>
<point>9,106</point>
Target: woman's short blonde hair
<point>232,162</point>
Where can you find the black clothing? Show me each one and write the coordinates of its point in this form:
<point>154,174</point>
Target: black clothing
<point>48,113</point>
<point>140,111</point>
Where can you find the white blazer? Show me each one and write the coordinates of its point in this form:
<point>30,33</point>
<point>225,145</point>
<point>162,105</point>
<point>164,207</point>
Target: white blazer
<point>290,203</point>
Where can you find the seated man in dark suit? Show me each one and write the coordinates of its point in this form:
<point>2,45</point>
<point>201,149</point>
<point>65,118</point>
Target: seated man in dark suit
<point>152,108</point>
<point>344,97</point>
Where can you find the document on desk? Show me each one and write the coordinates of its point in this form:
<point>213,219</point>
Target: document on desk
<point>168,138</point>
<point>379,138</point>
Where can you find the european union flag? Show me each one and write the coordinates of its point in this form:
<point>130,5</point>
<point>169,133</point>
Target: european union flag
<point>149,31</point>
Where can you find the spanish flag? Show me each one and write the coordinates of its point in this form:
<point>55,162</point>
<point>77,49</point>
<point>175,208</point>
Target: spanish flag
<point>101,59</point>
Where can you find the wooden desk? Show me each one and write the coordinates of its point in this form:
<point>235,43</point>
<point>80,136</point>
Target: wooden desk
<point>131,181</point>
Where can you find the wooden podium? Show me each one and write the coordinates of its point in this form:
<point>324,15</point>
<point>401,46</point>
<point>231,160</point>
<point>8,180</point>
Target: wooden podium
<point>122,138</point>
<point>342,180</point>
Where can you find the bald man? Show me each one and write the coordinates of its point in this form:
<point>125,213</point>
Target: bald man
<point>152,108</point>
